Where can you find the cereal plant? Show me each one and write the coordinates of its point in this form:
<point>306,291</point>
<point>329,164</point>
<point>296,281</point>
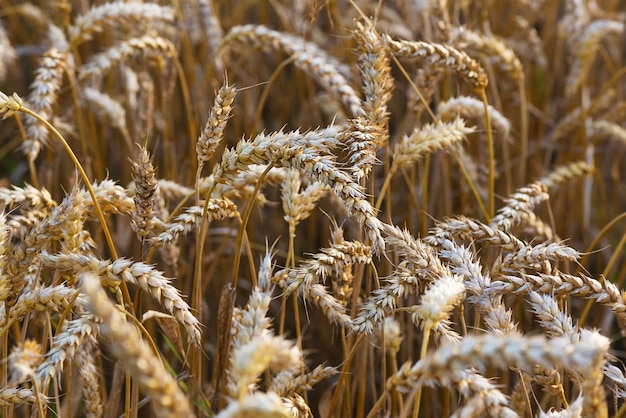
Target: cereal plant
<point>347,208</point>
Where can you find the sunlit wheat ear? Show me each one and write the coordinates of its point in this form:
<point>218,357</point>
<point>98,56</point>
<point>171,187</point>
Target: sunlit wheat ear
<point>222,208</point>
<point>522,201</point>
<point>601,291</point>
<point>16,396</point>
<point>487,350</point>
<point>463,262</point>
<point>537,257</point>
<point>586,47</point>
<point>147,47</point>
<point>574,119</point>
<point>41,299</point>
<point>110,111</point>
<point>471,108</point>
<point>287,383</point>
<point>44,92</point>
<point>23,360</point>
<point>136,355</point>
<point>381,302</point>
<point>213,131</point>
<point>89,376</point>
<point>69,212</point>
<point>25,196</point>
<point>436,305</point>
<point>419,256</point>
<point>258,405</point>
<point>483,396</point>
<point>438,55</point>
<point>470,229</point>
<point>111,197</point>
<point>575,409</point>
<point>308,153</point>
<point>65,344</point>
<point>145,194</point>
<point>604,129</point>
<point>8,56</point>
<point>552,319</point>
<point>213,32</point>
<point>330,262</point>
<point>490,47</point>
<point>309,57</point>
<point>262,352</point>
<point>118,14</point>
<point>428,139</point>
<point>297,204</point>
<point>142,275</point>
<point>370,131</point>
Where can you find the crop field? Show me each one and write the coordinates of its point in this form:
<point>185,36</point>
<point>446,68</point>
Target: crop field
<point>312,208</point>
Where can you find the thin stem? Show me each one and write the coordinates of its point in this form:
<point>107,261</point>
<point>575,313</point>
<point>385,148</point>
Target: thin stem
<point>524,130</point>
<point>244,223</point>
<point>99,213</point>
<point>492,168</point>
<point>383,190</point>
<point>418,395</point>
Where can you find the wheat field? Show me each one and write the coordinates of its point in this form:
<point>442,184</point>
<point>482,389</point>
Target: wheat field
<point>305,208</point>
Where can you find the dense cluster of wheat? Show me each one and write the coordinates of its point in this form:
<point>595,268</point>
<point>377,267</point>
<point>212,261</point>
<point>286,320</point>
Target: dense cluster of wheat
<point>305,208</point>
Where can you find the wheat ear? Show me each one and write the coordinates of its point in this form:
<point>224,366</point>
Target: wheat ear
<point>137,356</point>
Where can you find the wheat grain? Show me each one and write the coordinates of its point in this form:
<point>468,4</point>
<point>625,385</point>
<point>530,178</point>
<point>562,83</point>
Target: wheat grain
<point>263,351</point>
<point>525,352</point>
<point>25,196</point>
<point>554,321</point>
